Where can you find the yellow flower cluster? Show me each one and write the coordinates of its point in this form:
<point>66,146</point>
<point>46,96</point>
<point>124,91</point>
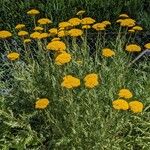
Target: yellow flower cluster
<point>70,82</point>
<point>56,46</point>
<point>75,32</point>
<point>121,104</point>
<point>133,48</point>
<point>44,21</point>
<point>74,21</point>
<point>107,52</point>
<point>38,28</point>
<point>13,56</point>
<point>91,80</point>
<point>87,21</point>
<point>125,21</point>
<point>125,93</point>
<point>80,13</point>
<point>63,58</point>
<point>147,46</point>
<point>19,26</point>
<point>22,33</point>
<point>5,34</point>
<point>41,103</point>
<point>33,12</point>
<point>27,40</point>
<point>53,31</point>
<point>38,35</point>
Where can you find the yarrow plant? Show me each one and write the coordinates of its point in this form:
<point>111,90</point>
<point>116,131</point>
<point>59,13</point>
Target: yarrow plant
<point>67,84</point>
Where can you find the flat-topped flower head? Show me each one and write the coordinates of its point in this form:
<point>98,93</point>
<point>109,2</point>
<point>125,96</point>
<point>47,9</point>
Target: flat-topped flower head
<point>38,28</point>
<point>19,26</point>
<point>137,28</point>
<point>41,103</point>
<point>23,33</point>
<point>133,48</point>
<point>63,58</point>
<point>70,82</point>
<point>43,35</point>
<point>27,41</point>
<point>87,21</point>
<point>56,39</point>
<point>44,21</point>
<point>86,26</point>
<point>33,12</point>
<point>107,52</point>
<point>35,35</point>
<point>125,93</point>
<point>75,32</point>
<point>80,13</point>
<point>74,21</point>
<point>127,22</point>
<point>62,33</point>
<point>65,25</point>
<point>13,56</point>
<point>56,46</point>
<point>106,22</point>
<point>123,16</point>
<point>99,26</point>
<point>53,31</point>
<point>131,31</point>
<point>5,34</point>
<point>120,104</point>
<point>147,46</point>
<point>136,106</point>
<point>91,80</point>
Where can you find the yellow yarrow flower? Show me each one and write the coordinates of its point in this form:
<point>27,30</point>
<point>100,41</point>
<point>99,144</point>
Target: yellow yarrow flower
<point>131,31</point>
<point>44,21</point>
<point>123,16</point>
<point>128,22</point>
<point>35,35</point>
<point>62,33</point>
<point>74,21</point>
<point>120,104</point>
<point>70,82</point>
<point>99,26</point>
<point>55,39</point>
<point>91,80</point>
<point>75,32</point>
<point>119,20</point>
<point>41,103</point>
<point>27,41</point>
<point>107,52</point>
<point>136,106</point>
<point>22,33</point>
<point>65,25</point>
<point>38,28</point>
<point>87,21</point>
<point>133,48</point>
<point>86,27</point>
<point>81,12</point>
<point>5,34</point>
<point>106,22</point>
<point>63,58</point>
<point>147,46</point>
<point>13,56</point>
<point>53,31</point>
<point>125,93</point>
<point>33,12</point>
<point>43,35</point>
<point>56,46</point>
<point>137,28</point>
<point>19,26</point>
